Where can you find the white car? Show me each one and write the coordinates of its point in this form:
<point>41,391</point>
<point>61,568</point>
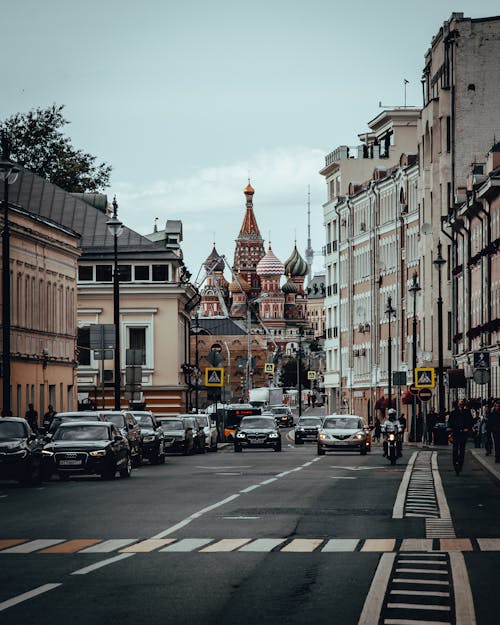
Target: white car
<point>210,430</point>
<point>342,432</point>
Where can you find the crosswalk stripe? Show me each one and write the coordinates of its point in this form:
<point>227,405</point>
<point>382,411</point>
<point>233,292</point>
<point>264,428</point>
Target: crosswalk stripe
<point>187,544</point>
<point>262,545</point>
<point>489,544</point>
<point>226,545</point>
<point>146,546</point>
<point>109,545</point>
<point>379,544</point>
<point>33,545</point>
<point>455,544</point>
<point>302,545</point>
<point>416,544</point>
<point>341,544</point>
<point>71,546</point>
<point>11,542</point>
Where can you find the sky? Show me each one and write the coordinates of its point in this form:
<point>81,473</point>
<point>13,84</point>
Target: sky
<point>186,100</point>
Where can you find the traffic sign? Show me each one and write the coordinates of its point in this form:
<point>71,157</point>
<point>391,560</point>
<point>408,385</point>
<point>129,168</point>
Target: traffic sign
<point>413,389</point>
<point>311,375</point>
<point>214,376</point>
<point>425,377</point>
<point>269,367</point>
<point>481,360</point>
<point>481,376</point>
<point>424,394</point>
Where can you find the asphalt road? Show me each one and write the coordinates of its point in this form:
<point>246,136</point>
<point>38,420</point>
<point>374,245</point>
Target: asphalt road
<point>257,537</point>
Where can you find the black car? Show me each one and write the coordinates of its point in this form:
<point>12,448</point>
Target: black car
<point>151,436</point>
<point>257,432</point>
<point>283,415</point>
<point>175,435</point>
<point>129,428</point>
<point>307,429</point>
<point>87,448</point>
<point>20,451</point>
<point>62,417</point>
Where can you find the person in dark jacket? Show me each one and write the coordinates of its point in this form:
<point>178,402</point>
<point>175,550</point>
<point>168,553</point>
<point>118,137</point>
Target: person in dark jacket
<point>460,424</point>
<point>31,417</point>
<point>494,428</point>
<point>48,417</point>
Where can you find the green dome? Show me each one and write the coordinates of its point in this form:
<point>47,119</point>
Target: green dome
<point>290,287</point>
<point>296,265</point>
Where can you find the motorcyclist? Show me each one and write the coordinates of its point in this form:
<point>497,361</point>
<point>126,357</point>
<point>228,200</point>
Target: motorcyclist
<point>392,426</point>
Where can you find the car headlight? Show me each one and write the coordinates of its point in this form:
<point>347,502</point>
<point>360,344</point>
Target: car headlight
<point>391,437</point>
<point>323,435</point>
<point>273,435</point>
<point>240,435</point>
<point>46,452</point>
<point>360,436</point>
<point>299,429</point>
<point>98,453</point>
<point>149,438</point>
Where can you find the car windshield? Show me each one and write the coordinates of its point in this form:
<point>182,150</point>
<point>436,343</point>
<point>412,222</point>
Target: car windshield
<point>172,424</point>
<point>12,429</point>
<point>279,410</point>
<point>251,423</point>
<point>117,419</point>
<point>82,433</point>
<point>309,422</point>
<point>342,423</point>
<point>189,422</point>
<point>204,421</point>
<point>144,419</point>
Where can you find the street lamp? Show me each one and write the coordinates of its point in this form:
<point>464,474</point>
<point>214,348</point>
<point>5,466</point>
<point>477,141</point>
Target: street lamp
<point>299,369</point>
<point>8,173</point>
<point>414,289</point>
<point>389,311</point>
<point>438,263</point>
<point>115,227</point>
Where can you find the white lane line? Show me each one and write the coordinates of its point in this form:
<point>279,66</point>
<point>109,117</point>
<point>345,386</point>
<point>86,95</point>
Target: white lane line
<point>464,603</point>
<point>421,593</point>
<point>398,510</point>
<point>273,479</point>
<point>27,595</point>
<point>418,606</point>
<point>250,488</point>
<point>342,477</point>
<point>109,545</point>
<point>187,544</point>
<point>423,571</point>
<point>241,518</point>
<point>33,545</point>
<point>404,621</point>
<point>444,511</point>
<point>408,580</point>
<point>99,565</point>
<point>372,608</point>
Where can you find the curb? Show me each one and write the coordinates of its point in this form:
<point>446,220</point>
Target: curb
<point>495,472</point>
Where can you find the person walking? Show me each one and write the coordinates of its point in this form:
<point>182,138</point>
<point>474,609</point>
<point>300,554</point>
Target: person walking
<point>31,417</point>
<point>49,416</point>
<point>485,429</point>
<point>494,426</point>
<point>431,420</point>
<point>378,430</point>
<point>460,424</point>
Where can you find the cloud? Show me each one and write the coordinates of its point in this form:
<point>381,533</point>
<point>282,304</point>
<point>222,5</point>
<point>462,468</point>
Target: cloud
<point>211,203</point>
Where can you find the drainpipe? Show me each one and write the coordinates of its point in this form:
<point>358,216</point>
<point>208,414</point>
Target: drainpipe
<point>339,311</point>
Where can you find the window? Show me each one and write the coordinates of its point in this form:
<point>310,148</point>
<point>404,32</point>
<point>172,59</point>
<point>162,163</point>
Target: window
<point>141,272</point>
<point>103,273</point>
<point>137,340</point>
<point>85,273</point>
<point>160,273</point>
<point>125,273</point>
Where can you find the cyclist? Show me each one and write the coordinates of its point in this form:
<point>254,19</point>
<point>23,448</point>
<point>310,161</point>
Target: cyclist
<point>460,424</point>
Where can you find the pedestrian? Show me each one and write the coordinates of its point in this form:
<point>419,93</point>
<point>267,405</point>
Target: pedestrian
<point>494,426</point>
<point>48,416</point>
<point>460,424</point>
<point>378,430</point>
<point>485,429</point>
<point>309,399</point>
<point>431,421</point>
<point>476,430</point>
<point>31,417</point>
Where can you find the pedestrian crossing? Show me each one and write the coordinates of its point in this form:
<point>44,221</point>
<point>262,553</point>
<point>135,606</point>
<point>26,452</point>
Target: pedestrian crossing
<point>423,546</point>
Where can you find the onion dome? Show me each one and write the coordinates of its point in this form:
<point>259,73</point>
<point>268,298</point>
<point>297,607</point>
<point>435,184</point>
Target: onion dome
<point>296,266</point>
<point>214,262</point>
<point>240,285</point>
<point>249,190</point>
<point>270,265</point>
<point>290,286</point>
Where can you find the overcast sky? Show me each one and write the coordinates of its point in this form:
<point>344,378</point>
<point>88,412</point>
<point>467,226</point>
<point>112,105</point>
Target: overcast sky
<point>185,99</point>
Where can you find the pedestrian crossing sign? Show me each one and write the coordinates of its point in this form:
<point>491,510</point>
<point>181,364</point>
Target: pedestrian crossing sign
<point>311,375</point>
<point>214,376</point>
<point>269,367</point>
<point>425,377</point>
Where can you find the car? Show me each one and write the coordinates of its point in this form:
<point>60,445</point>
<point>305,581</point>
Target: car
<point>61,417</point>
<point>151,435</point>
<point>306,430</point>
<point>129,428</point>
<point>209,429</point>
<point>197,431</point>
<point>283,415</point>
<point>176,436</point>
<point>87,448</point>
<point>20,452</point>
<point>342,432</point>
<point>259,431</point>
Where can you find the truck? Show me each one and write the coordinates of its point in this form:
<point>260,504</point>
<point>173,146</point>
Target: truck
<point>265,396</point>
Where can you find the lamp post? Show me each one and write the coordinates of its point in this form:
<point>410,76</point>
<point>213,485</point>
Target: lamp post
<point>439,261</point>
<point>115,227</point>
<point>299,369</point>
<point>389,311</point>
<point>414,289</point>
<point>8,173</point>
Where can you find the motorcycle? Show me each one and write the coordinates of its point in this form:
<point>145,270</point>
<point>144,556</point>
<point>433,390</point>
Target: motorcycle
<point>392,448</point>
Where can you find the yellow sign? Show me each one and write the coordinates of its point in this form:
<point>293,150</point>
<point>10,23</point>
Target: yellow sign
<point>425,377</point>
<point>214,376</point>
<point>311,375</point>
<point>269,367</point>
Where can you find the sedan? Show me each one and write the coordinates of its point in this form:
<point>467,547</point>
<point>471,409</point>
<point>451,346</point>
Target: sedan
<point>151,436</point>
<point>129,428</point>
<point>87,448</point>
<point>176,436</point>
<point>283,415</point>
<point>306,430</point>
<point>20,451</point>
<point>342,432</point>
<point>257,432</point>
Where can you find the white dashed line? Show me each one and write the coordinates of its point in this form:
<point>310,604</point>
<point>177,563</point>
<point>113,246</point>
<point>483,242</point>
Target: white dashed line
<point>27,595</point>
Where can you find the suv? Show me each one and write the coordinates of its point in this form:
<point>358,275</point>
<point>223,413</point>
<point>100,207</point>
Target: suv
<point>307,430</point>
<point>257,431</point>
<point>209,429</point>
<point>20,451</point>
<point>283,415</point>
<point>151,436</point>
<point>175,435</point>
<point>129,428</point>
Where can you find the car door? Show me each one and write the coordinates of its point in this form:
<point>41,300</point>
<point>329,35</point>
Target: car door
<point>119,446</point>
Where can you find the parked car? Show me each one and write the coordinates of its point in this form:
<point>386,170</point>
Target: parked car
<point>209,429</point>
<point>198,433</point>
<point>257,432</point>
<point>87,448</point>
<point>283,415</point>
<point>62,417</point>
<point>20,451</point>
<point>151,435</point>
<point>306,430</point>
<point>175,435</point>
<point>129,428</point>
<point>342,432</point>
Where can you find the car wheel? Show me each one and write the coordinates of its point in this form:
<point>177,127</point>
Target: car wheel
<point>109,474</point>
<point>321,452</point>
<point>127,470</point>
<point>214,448</point>
<point>238,448</point>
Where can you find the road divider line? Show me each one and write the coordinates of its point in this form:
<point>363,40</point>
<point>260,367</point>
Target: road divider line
<point>464,603</point>
<point>398,510</point>
<point>99,565</point>
<point>9,603</point>
<point>372,608</point>
<point>444,511</point>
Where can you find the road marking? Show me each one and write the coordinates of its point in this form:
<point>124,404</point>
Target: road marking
<point>226,545</point>
<point>343,477</point>
<point>241,518</point>
<point>228,474</point>
<point>397,511</point>
<point>423,593</point>
<point>423,571</point>
<point>109,545</point>
<point>379,544</point>
<point>372,607</point>
<point>302,545</point>
<point>262,545</point>
<point>99,565</point>
<point>489,544</point>
<point>250,488</point>
<point>341,544</point>
<point>269,481</point>
<point>71,546</point>
<point>11,542</point>
<point>33,545</point>
<point>404,621</point>
<point>146,546</point>
<point>410,580</point>
<point>417,606</point>
<point>464,603</point>
<point>444,511</point>
<point>336,466</point>
<point>236,466</point>
<point>455,544</point>
<point>27,595</point>
<point>187,544</point>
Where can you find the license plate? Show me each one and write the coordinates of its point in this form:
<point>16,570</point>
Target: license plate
<point>257,442</point>
<point>70,463</point>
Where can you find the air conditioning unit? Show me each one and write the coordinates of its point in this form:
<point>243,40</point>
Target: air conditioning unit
<point>362,227</point>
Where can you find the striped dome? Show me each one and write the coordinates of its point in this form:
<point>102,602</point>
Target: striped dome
<point>290,286</point>
<point>296,265</point>
<point>270,265</point>
<point>240,285</point>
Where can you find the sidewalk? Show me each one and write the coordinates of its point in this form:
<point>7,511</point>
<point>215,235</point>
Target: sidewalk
<point>488,462</point>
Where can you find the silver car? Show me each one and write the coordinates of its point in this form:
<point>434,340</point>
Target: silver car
<point>342,432</point>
